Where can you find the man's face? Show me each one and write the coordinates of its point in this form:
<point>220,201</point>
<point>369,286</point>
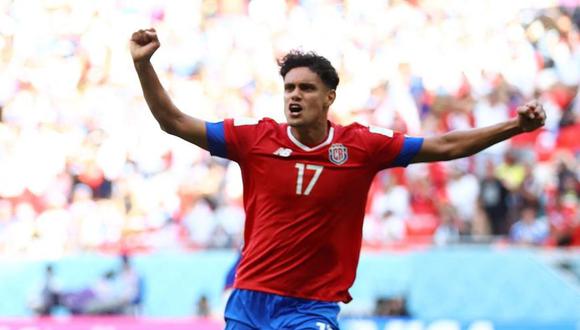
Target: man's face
<point>306,98</point>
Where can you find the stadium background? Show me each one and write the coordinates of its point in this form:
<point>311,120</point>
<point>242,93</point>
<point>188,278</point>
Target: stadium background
<point>86,175</point>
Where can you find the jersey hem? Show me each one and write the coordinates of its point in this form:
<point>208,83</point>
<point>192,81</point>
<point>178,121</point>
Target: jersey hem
<point>285,294</point>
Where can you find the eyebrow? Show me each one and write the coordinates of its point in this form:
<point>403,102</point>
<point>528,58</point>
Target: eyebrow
<point>302,85</point>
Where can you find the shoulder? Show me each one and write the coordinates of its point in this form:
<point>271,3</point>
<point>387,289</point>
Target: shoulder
<point>352,126</point>
<point>252,129</point>
<point>251,125</point>
<point>246,121</point>
<point>362,130</point>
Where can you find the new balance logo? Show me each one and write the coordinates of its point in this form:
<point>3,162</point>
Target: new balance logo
<point>283,152</point>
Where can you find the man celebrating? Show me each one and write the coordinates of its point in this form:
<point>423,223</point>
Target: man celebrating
<point>305,187</point>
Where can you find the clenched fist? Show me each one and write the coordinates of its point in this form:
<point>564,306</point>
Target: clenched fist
<point>531,116</point>
<point>143,44</point>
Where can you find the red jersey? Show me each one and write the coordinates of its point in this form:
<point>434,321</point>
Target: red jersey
<point>305,205</point>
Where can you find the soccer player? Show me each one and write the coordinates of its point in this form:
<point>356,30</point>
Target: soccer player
<point>305,186</point>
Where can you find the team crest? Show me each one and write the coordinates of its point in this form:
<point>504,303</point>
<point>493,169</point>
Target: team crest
<point>338,154</point>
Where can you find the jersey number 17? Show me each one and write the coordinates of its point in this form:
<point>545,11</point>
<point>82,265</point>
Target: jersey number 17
<point>300,178</point>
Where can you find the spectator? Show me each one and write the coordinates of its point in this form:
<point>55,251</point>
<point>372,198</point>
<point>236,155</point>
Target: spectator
<point>494,199</point>
<point>564,221</point>
<point>48,299</point>
<point>392,197</point>
<point>114,293</point>
<point>463,191</point>
<point>99,298</point>
<point>132,286</point>
<point>392,306</point>
<point>390,207</point>
<point>511,171</point>
<point>448,232</point>
<point>202,307</point>
<point>529,229</point>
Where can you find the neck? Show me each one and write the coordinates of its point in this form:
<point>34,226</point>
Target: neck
<point>312,135</point>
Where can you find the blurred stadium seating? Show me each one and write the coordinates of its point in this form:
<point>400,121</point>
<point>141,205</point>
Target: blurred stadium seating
<point>86,174</point>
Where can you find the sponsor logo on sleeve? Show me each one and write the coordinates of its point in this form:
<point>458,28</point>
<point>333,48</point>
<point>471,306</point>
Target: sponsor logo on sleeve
<point>380,130</point>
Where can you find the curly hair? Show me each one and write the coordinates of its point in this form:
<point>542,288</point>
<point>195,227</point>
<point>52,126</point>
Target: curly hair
<point>316,63</point>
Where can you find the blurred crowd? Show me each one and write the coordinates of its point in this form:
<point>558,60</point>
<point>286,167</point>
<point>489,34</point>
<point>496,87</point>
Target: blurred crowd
<point>119,291</point>
<point>84,166</point>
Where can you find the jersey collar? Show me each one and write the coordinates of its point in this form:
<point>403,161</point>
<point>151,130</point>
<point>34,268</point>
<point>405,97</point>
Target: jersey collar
<point>307,148</point>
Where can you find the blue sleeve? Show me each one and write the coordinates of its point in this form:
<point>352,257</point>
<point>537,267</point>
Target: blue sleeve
<point>216,139</point>
<point>411,147</point>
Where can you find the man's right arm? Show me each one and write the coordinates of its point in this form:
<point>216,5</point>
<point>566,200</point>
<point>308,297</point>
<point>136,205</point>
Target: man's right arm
<point>458,144</point>
<point>143,44</point>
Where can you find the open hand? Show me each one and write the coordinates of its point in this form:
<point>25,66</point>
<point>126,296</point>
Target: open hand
<point>143,44</point>
<point>531,116</point>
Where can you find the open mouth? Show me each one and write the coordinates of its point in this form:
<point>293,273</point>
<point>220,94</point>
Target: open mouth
<point>295,108</point>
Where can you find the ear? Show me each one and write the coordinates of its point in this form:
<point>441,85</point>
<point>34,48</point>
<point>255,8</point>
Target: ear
<point>330,97</point>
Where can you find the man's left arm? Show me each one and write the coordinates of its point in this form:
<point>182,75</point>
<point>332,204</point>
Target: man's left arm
<point>459,144</point>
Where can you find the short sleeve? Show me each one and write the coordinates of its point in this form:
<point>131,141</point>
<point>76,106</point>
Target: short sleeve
<point>216,140</point>
<point>239,137</point>
<point>411,146</point>
<point>390,148</point>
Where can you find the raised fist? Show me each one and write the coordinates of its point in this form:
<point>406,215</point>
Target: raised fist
<point>531,116</point>
<point>143,44</point>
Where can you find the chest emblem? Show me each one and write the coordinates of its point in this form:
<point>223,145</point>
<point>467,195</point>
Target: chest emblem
<point>338,154</point>
<point>283,152</point>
